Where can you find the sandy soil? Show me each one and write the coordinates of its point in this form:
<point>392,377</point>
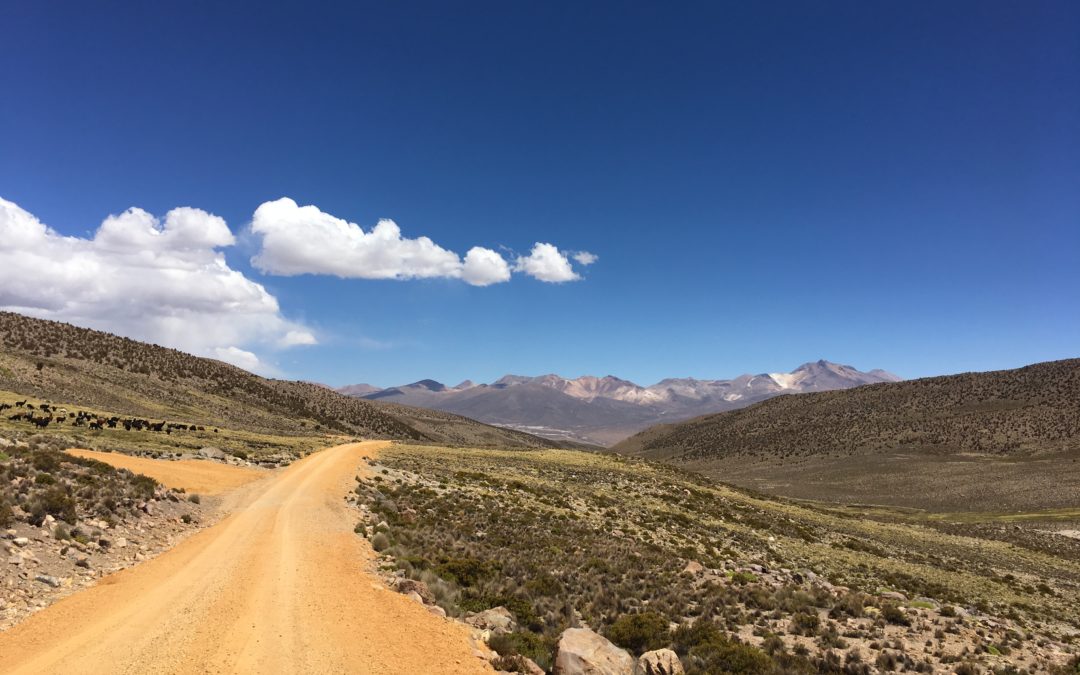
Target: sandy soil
<point>196,476</point>
<point>279,586</point>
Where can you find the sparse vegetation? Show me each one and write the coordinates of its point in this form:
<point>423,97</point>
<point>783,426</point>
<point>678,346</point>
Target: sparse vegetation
<point>561,538</point>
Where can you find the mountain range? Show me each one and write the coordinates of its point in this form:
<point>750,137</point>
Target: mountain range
<point>604,410</point>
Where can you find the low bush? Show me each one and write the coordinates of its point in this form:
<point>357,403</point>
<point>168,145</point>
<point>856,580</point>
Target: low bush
<point>639,633</point>
<point>380,542</point>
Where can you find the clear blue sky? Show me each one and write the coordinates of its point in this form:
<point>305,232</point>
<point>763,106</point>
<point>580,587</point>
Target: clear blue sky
<point>891,185</point>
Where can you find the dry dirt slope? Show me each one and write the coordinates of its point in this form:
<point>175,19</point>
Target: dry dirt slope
<point>48,360</point>
<point>278,586</point>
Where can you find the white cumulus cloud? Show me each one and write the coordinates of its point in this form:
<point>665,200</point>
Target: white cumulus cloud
<point>298,239</point>
<point>305,240</point>
<point>547,263</point>
<point>161,281</point>
<point>484,267</point>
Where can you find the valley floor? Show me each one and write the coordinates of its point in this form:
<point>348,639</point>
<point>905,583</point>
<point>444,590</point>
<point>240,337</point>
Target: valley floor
<point>927,481</point>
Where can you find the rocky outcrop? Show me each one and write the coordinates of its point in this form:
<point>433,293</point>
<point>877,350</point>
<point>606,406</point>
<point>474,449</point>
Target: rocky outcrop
<point>583,652</point>
<point>659,662</point>
<point>497,620</point>
<point>408,586</point>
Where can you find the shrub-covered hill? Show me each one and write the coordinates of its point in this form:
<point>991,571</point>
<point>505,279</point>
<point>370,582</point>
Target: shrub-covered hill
<point>52,361</point>
<point>653,557</point>
<point>1035,409</point>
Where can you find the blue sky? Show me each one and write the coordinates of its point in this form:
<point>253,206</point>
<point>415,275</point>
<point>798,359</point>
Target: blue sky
<point>886,185</point>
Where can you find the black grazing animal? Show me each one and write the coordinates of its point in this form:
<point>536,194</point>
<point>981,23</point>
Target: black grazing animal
<point>41,422</point>
<point>19,404</point>
<point>95,425</point>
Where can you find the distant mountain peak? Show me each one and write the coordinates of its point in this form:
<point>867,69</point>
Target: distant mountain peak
<point>608,408</point>
<point>430,385</point>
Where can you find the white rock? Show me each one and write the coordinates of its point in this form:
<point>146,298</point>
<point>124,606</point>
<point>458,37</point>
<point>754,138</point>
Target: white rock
<point>583,652</point>
<point>659,662</point>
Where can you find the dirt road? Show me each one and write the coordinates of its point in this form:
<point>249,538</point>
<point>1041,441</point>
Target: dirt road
<point>277,587</point>
<point>195,476</point>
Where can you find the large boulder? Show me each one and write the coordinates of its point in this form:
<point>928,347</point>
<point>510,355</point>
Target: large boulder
<point>583,652</point>
<point>659,662</point>
<point>496,619</point>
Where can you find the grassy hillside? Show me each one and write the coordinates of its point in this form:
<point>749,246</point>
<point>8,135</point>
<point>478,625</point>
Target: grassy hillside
<point>57,362</point>
<point>652,556</point>
<point>1009,437</point>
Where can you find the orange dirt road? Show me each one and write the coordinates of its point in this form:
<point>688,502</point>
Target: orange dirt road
<point>196,476</point>
<point>279,586</point>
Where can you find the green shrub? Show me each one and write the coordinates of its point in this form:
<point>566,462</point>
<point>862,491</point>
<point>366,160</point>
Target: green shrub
<point>46,460</point>
<point>55,502</point>
<point>639,633</point>
<point>464,571</point>
<point>533,646</point>
<point>706,649</point>
<point>7,515</point>
<point>805,623</point>
<point>894,615</point>
<point>380,542</point>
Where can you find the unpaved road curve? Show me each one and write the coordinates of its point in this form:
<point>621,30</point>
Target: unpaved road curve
<point>277,587</point>
<point>196,476</point>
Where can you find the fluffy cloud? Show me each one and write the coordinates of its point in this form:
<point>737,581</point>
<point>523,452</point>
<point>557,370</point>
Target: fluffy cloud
<point>159,281</point>
<point>547,263</point>
<point>585,258</point>
<point>484,267</point>
<point>305,240</point>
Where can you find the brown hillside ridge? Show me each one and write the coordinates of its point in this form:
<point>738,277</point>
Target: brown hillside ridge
<point>52,361</point>
<point>1005,440</point>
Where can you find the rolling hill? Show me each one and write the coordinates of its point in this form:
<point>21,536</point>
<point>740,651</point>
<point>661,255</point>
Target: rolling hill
<point>58,362</point>
<point>952,441</point>
<point>607,409</point>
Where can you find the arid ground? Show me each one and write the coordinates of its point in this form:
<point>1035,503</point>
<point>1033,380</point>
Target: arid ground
<point>278,585</point>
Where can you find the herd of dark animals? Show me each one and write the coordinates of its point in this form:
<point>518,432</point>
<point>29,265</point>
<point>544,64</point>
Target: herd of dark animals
<point>44,414</point>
